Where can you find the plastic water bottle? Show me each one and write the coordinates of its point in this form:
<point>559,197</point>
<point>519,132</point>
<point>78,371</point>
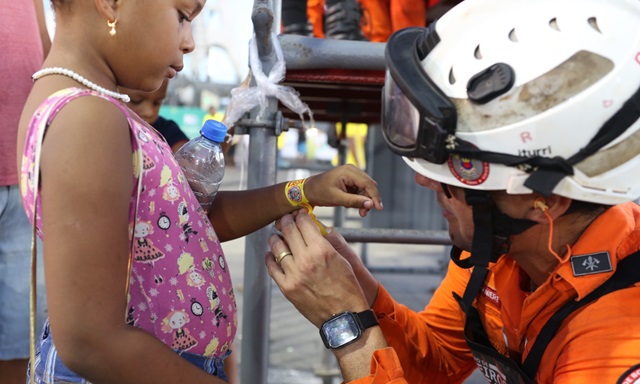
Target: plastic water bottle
<point>202,162</point>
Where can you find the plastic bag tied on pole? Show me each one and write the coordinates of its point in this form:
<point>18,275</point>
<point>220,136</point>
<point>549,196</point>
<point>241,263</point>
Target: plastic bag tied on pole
<point>245,97</point>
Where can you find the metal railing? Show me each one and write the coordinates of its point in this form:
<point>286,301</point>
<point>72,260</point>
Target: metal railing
<point>299,53</point>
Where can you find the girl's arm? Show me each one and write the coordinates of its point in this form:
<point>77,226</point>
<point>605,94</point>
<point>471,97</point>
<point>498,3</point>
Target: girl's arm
<point>237,213</point>
<point>86,170</point>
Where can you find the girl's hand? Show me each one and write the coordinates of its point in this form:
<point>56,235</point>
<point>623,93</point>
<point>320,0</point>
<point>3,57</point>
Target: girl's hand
<point>346,186</point>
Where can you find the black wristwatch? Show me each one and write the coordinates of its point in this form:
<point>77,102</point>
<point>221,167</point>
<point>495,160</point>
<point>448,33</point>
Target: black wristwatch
<point>347,327</point>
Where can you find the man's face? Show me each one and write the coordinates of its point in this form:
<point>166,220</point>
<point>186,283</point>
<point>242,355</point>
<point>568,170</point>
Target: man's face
<point>455,210</point>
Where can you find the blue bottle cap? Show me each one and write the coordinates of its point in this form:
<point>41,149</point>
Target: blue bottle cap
<point>214,130</point>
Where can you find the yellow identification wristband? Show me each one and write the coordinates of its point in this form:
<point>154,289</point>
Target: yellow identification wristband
<point>294,191</point>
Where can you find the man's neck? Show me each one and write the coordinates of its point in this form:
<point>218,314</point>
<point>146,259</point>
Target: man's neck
<point>531,252</point>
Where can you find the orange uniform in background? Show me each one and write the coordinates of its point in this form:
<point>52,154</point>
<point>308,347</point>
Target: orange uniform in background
<point>599,343</point>
<point>381,17</point>
<point>315,14</point>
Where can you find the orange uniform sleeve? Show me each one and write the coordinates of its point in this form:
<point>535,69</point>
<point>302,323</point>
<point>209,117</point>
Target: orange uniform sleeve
<point>385,369</point>
<point>429,345</point>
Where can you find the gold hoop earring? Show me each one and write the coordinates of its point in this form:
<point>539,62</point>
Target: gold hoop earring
<point>112,25</point>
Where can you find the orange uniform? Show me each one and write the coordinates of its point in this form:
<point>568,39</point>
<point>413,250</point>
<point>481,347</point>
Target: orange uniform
<point>599,343</point>
<point>381,17</point>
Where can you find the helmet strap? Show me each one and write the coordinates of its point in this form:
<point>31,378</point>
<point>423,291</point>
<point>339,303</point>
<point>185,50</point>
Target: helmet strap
<point>547,172</point>
<point>491,233</point>
<point>490,226</point>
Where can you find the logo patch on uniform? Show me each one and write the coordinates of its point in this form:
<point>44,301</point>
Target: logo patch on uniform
<point>491,372</point>
<point>591,264</point>
<point>492,295</point>
<point>468,171</point>
<point>631,376</point>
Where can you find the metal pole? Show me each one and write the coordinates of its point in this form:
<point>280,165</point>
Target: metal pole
<point>261,172</point>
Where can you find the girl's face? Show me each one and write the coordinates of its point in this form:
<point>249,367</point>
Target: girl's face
<point>154,36</point>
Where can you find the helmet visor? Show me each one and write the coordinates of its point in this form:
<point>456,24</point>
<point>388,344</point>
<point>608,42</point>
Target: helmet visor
<point>417,117</point>
<point>400,117</point>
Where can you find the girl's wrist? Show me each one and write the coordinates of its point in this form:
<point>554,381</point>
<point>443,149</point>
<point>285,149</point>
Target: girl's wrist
<point>294,191</point>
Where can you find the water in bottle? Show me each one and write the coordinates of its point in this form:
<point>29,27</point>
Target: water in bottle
<point>202,162</point>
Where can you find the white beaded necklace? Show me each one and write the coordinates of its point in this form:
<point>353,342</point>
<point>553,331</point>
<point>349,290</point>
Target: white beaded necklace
<point>81,80</point>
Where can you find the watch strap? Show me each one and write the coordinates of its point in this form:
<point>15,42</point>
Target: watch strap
<point>367,319</point>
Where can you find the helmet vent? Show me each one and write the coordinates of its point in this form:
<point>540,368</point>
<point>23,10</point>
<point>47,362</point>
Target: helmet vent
<point>594,24</point>
<point>477,53</point>
<point>553,23</point>
<point>512,36</point>
<point>452,78</point>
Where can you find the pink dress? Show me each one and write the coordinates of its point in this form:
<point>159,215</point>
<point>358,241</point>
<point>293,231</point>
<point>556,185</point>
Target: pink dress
<point>180,287</point>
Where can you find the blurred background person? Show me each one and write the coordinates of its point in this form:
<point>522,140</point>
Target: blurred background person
<point>24,43</point>
<point>147,106</point>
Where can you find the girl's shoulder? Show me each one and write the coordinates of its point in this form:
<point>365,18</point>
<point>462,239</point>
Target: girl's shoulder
<point>71,105</point>
<point>87,131</point>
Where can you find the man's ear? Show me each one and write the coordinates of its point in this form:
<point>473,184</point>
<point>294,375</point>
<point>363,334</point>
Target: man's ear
<point>554,206</point>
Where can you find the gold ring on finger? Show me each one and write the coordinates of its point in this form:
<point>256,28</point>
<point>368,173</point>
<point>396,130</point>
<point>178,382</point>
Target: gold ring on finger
<point>282,256</point>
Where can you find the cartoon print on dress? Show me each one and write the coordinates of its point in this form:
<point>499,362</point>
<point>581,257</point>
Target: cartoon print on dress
<point>207,264</point>
<point>203,245</point>
<point>184,223</point>
<point>175,323</point>
<point>144,250</point>
<point>27,167</point>
<point>180,295</point>
<point>23,187</point>
<point>136,163</point>
<point>232,296</point>
<point>143,136</point>
<point>214,304</point>
<point>164,222</point>
<point>211,234</point>
<point>187,266</point>
<point>225,346</point>
<point>147,163</point>
<point>130,317</point>
<point>181,179</point>
<point>235,323</point>
<point>170,192</point>
<point>196,308</point>
<point>159,146</point>
<point>212,346</point>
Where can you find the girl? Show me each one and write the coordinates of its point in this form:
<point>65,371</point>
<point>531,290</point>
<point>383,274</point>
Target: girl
<point>138,287</point>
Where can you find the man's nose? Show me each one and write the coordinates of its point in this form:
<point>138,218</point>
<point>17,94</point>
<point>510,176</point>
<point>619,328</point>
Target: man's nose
<point>428,183</point>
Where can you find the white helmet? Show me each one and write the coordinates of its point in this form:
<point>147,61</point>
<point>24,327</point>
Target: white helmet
<point>522,96</point>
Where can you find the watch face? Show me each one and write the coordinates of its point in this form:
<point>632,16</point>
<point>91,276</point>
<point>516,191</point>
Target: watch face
<point>340,331</point>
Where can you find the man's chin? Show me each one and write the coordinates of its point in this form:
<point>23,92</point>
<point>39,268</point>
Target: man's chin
<point>464,245</point>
